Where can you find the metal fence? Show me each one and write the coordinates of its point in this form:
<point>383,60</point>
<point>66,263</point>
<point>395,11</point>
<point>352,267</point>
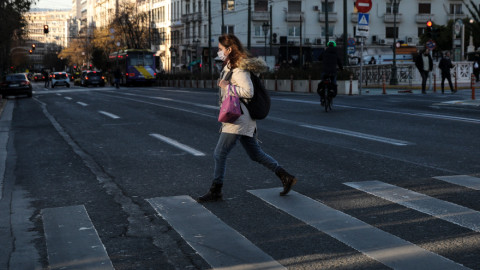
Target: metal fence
<point>407,74</point>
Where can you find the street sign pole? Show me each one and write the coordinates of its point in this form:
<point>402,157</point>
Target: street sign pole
<point>360,79</point>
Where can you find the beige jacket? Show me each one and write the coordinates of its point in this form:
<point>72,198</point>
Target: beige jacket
<point>244,125</point>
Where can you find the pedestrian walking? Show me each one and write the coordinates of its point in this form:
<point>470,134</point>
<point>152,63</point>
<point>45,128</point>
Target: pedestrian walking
<point>238,63</point>
<point>476,66</point>
<point>47,78</point>
<point>445,65</point>
<point>424,63</point>
<point>117,75</point>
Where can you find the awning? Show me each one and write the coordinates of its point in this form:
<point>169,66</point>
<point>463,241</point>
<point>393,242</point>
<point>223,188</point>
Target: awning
<point>195,62</point>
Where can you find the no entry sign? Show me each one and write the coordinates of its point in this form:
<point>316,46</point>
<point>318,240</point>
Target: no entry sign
<point>364,6</point>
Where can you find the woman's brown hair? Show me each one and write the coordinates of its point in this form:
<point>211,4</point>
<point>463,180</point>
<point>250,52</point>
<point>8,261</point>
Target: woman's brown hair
<point>237,53</point>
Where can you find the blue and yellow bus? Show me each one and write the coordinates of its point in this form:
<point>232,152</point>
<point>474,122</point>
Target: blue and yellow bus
<point>137,66</point>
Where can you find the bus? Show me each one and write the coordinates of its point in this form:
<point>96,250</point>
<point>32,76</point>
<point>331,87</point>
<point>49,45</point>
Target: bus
<point>137,66</point>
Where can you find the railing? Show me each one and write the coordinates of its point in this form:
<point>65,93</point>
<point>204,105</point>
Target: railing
<point>407,73</point>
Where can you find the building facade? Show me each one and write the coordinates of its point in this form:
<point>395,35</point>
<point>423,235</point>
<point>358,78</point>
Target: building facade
<point>182,31</point>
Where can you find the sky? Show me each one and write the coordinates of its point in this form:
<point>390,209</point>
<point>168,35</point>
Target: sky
<point>53,4</point>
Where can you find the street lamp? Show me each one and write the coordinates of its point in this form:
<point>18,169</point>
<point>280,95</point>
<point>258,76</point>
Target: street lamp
<point>393,77</point>
<point>265,28</point>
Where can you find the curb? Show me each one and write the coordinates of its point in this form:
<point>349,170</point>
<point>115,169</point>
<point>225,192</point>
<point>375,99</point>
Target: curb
<point>3,102</point>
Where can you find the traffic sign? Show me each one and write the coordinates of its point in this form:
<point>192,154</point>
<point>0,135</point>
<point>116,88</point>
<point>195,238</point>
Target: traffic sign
<point>350,41</point>
<point>363,30</point>
<point>363,18</point>
<point>431,45</point>
<point>364,6</point>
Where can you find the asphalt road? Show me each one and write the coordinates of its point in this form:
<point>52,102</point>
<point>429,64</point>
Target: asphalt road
<point>102,178</point>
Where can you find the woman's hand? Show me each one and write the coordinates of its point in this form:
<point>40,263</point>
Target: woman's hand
<point>223,84</point>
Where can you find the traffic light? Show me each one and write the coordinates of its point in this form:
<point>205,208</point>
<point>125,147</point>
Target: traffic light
<point>31,51</point>
<point>33,47</point>
<point>45,29</point>
<point>429,26</point>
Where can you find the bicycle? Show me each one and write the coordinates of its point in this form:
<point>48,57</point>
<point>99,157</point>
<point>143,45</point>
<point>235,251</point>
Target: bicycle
<point>327,86</point>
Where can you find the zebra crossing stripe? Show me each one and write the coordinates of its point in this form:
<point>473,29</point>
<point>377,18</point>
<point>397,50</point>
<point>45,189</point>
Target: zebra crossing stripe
<point>220,245</point>
<point>448,211</point>
<point>462,180</point>
<point>388,249</point>
<point>72,240</point>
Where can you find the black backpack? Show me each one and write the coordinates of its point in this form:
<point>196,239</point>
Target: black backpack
<point>259,105</point>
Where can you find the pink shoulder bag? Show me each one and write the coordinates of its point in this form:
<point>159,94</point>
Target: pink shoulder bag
<point>230,110</point>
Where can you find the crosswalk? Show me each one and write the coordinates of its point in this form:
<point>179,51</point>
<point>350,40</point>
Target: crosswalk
<point>73,242</point>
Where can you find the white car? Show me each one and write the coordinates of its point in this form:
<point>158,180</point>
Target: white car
<point>60,78</point>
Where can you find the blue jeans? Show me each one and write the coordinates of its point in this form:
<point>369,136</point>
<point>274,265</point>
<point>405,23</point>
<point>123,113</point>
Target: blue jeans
<point>225,144</point>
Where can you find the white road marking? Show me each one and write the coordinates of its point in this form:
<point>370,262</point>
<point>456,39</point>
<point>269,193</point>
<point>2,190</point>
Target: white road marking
<point>175,143</point>
<point>111,115</point>
<point>81,103</point>
<point>427,115</point>
<point>219,244</point>
<point>358,135</point>
<point>462,180</point>
<point>68,98</point>
<point>72,240</point>
<point>386,248</point>
<point>447,211</point>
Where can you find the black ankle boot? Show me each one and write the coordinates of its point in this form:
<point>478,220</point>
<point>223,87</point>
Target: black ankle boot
<point>287,179</point>
<point>214,194</point>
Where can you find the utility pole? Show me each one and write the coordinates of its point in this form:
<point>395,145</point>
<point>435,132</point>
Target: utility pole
<point>223,22</point>
<point>249,25</point>
<point>210,39</point>
<point>301,44</point>
<point>271,29</point>
<point>345,34</point>
<point>326,21</point>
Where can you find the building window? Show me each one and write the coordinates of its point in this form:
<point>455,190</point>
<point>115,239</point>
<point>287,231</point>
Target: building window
<point>424,8</point>
<point>330,31</point>
<point>421,31</point>
<point>229,5</point>
<point>456,9</point>
<point>389,32</point>
<point>229,29</point>
<point>261,5</point>
<point>294,31</point>
<point>294,6</point>
<point>329,6</point>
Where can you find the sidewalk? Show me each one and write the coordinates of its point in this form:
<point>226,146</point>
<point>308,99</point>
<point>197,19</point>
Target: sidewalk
<point>463,97</point>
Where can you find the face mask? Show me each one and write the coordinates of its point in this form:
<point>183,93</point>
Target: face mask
<point>221,55</point>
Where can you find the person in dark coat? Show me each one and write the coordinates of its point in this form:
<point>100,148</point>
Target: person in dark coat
<point>445,65</point>
<point>117,75</point>
<point>424,63</point>
<point>476,66</point>
<point>331,59</point>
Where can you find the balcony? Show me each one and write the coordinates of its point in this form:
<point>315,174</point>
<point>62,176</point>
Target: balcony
<point>389,18</point>
<point>423,18</point>
<point>293,16</point>
<point>197,16</point>
<point>332,17</point>
<point>260,16</point>
<point>456,16</point>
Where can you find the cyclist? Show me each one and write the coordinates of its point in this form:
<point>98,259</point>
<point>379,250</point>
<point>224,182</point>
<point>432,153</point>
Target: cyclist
<point>330,60</point>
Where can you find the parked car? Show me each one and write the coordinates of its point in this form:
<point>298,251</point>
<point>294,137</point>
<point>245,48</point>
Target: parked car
<point>16,84</point>
<point>90,77</point>
<point>60,78</point>
<point>38,77</point>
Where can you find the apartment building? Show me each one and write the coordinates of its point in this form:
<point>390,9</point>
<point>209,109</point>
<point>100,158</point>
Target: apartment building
<point>181,32</point>
<point>57,37</point>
